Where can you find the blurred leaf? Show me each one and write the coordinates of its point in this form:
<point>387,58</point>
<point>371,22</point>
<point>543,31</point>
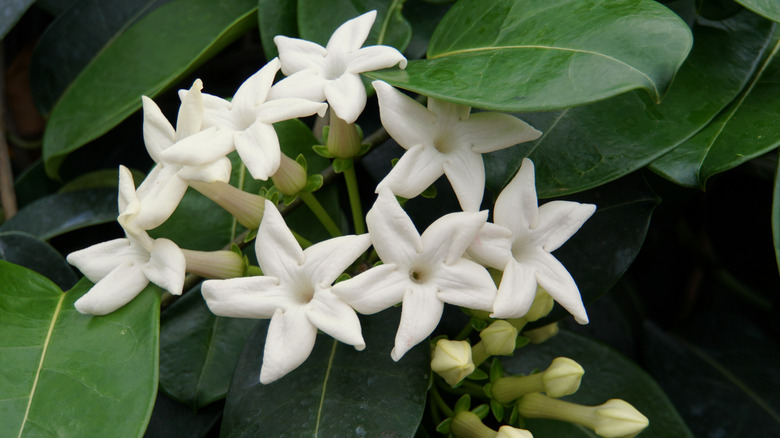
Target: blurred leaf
<point>26,250</point>
<point>62,212</point>
<point>276,17</point>
<point>75,38</point>
<point>608,375</point>
<point>171,419</point>
<point>588,146</point>
<point>55,7</point>
<point>199,350</point>
<point>98,178</point>
<point>68,374</point>
<point>317,23</point>
<point>776,213</point>
<point>337,392</point>
<point>12,11</point>
<point>521,55</point>
<point>32,184</point>
<point>150,56</point>
<point>767,8</point>
<point>744,130</point>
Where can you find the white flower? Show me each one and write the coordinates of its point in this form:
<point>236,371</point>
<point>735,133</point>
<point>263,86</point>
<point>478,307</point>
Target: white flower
<point>295,293</point>
<point>422,271</point>
<point>332,73</point>
<point>250,118</point>
<point>444,139</point>
<point>121,268</point>
<point>184,154</point>
<point>520,242</point>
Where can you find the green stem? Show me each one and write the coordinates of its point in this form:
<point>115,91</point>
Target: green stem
<point>319,211</point>
<point>354,200</point>
<point>440,402</point>
<point>301,240</point>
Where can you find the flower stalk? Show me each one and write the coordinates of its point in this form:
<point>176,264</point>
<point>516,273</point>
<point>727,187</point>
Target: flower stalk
<point>214,264</point>
<point>561,378</point>
<point>246,207</point>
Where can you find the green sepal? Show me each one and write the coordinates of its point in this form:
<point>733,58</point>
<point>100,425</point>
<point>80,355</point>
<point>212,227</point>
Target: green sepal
<point>514,416</point>
<point>478,324</point>
<point>364,147</point>
<point>325,132</point>
<point>313,183</point>
<point>488,390</point>
<point>481,411</point>
<point>250,236</point>
<point>429,193</point>
<point>300,159</point>
<point>378,262</point>
<point>497,409</point>
<point>343,277</point>
<point>394,161</point>
<point>496,369</point>
<point>253,271</point>
<point>359,131</point>
<point>272,194</point>
<point>236,249</point>
<point>463,404</point>
<point>477,374</point>
<point>322,150</point>
<point>521,342</point>
<point>444,426</point>
<point>289,199</point>
<point>342,164</point>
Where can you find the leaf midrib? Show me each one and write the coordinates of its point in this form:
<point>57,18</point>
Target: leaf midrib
<point>324,387</point>
<point>386,22</point>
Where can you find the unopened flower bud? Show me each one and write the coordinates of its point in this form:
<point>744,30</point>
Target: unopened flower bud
<point>291,177</point>
<point>452,360</point>
<point>561,378</point>
<point>541,306</point>
<point>499,338</point>
<point>541,334</point>
<point>246,207</point>
<point>343,138</point>
<point>214,264</point>
<point>618,419</point>
<point>511,432</point>
<point>467,424</point>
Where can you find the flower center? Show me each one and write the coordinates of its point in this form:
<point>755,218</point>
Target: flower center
<point>417,275</point>
<point>334,68</point>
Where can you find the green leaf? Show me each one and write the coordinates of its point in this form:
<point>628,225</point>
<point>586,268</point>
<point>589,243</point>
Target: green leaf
<point>33,184</point>
<point>26,250</point>
<point>150,56</point>
<point>588,146</point>
<point>317,23</point>
<point>171,419</point>
<point>744,130</point>
<point>68,374</point>
<point>199,350</point>
<point>767,8</point>
<point>12,12</point>
<point>337,392</point>
<point>524,55</point>
<point>75,38</point>
<point>276,17</point>
<point>74,210</point>
<point>607,375</point>
<point>197,223</point>
<point>776,214</point>
<point>98,178</point>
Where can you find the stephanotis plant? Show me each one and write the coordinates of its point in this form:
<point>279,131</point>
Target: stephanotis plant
<point>358,241</point>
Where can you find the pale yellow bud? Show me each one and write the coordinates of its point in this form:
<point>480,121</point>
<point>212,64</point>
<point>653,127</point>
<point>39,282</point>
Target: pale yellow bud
<point>541,334</point>
<point>291,177</point>
<point>467,424</point>
<point>499,338</point>
<point>343,138</point>
<point>541,307</point>
<point>511,432</point>
<point>452,360</point>
<point>562,377</point>
<point>214,264</point>
<point>618,419</point>
<point>247,208</point>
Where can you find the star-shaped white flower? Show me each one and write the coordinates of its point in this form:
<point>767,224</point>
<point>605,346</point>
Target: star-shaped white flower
<point>121,268</point>
<point>332,73</point>
<point>520,242</point>
<point>444,139</point>
<point>183,154</point>
<point>250,116</point>
<point>295,293</point>
<point>422,271</point>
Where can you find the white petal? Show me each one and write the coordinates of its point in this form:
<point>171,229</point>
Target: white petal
<point>278,253</point>
<point>258,147</point>
<point>96,261</point>
<point>488,132</point>
<point>417,169</point>
<point>255,89</point>
<point>377,289</point>
<point>516,292</point>
<point>392,233</point>
<point>558,221</point>
<point>190,116</point>
<point>420,315</point>
<point>516,206</point>
<point>247,297</point>
<point>374,58</point>
<point>556,280</point>
<point>466,173</point>
<point>297,54</point>
<point>351,35</point>
<point>325,261</point>
<point>447,238</point>
<point>161,196</point>
<point>492,247</point>
<point>115,290</point>
<point>331,315</point>
<point>289,108</point>
<point>202,148</point>
<point>408,122</point>
<point>448,113</point>
<point>158,132</point>
<point>216,112</point>
<point>166,266</point>
<point>289,342</point>
<point>305,84</point>
<point>218,171</point>
<point>467,284</point>
<point>346,96</point>
<point>126,189</point>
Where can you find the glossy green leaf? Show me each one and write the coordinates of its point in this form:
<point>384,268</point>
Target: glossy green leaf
<point>33,184</point>
<point>768,8</point>
<point>199,350</point>
<point>198,224</point>
<point>776,214</point>
<point>744,130</point>
<point>337,392</point>
<point>26,250</point>
<point>55,7</point>
<point>588,146</point>
<point>76,37</point>
<point>148,57</point>
<point>608,375</point>
<point>423,16</point>
<point>317,23</point>
<point>68,374</point>
<point>171,419</point>
<point>63,212</point>
<point>276,17</point>
<point>524,55</point>
<point>98,178</point>
<point>12,11</point>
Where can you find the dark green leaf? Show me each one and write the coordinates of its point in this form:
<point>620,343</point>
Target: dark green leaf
<point>776,214</point>
<point>607,375</point>
<point>55,7</point>
<point>34,254</point>
<point>423,16</point>
<point>337,392</point>
<point>73,39</point>
<point>744,130</point>
<point>68,374</point>
<point>32,184</point>
<point>197,223</point>
<point>171,419</point>
<point>768,8</point>
<point>11,13</point>
<point>199,350</point>
<point>98,178</point>
<point>59,213</point>
<point>148,57</point>
<point>522,55</point>
<point>276,17</point>
<point>585,147</point>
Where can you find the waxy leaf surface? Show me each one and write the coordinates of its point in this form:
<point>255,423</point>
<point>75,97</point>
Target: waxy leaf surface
<point>768,8</point>
<point>32,253</point>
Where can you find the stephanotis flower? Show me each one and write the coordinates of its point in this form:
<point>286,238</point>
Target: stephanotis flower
<point>182,155</point>
<point>122,268</point>
<point>444,139</point>
<point>520,242</point>
<point>332,73</point>
<point>423,272</point>
<point>295,293</point>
